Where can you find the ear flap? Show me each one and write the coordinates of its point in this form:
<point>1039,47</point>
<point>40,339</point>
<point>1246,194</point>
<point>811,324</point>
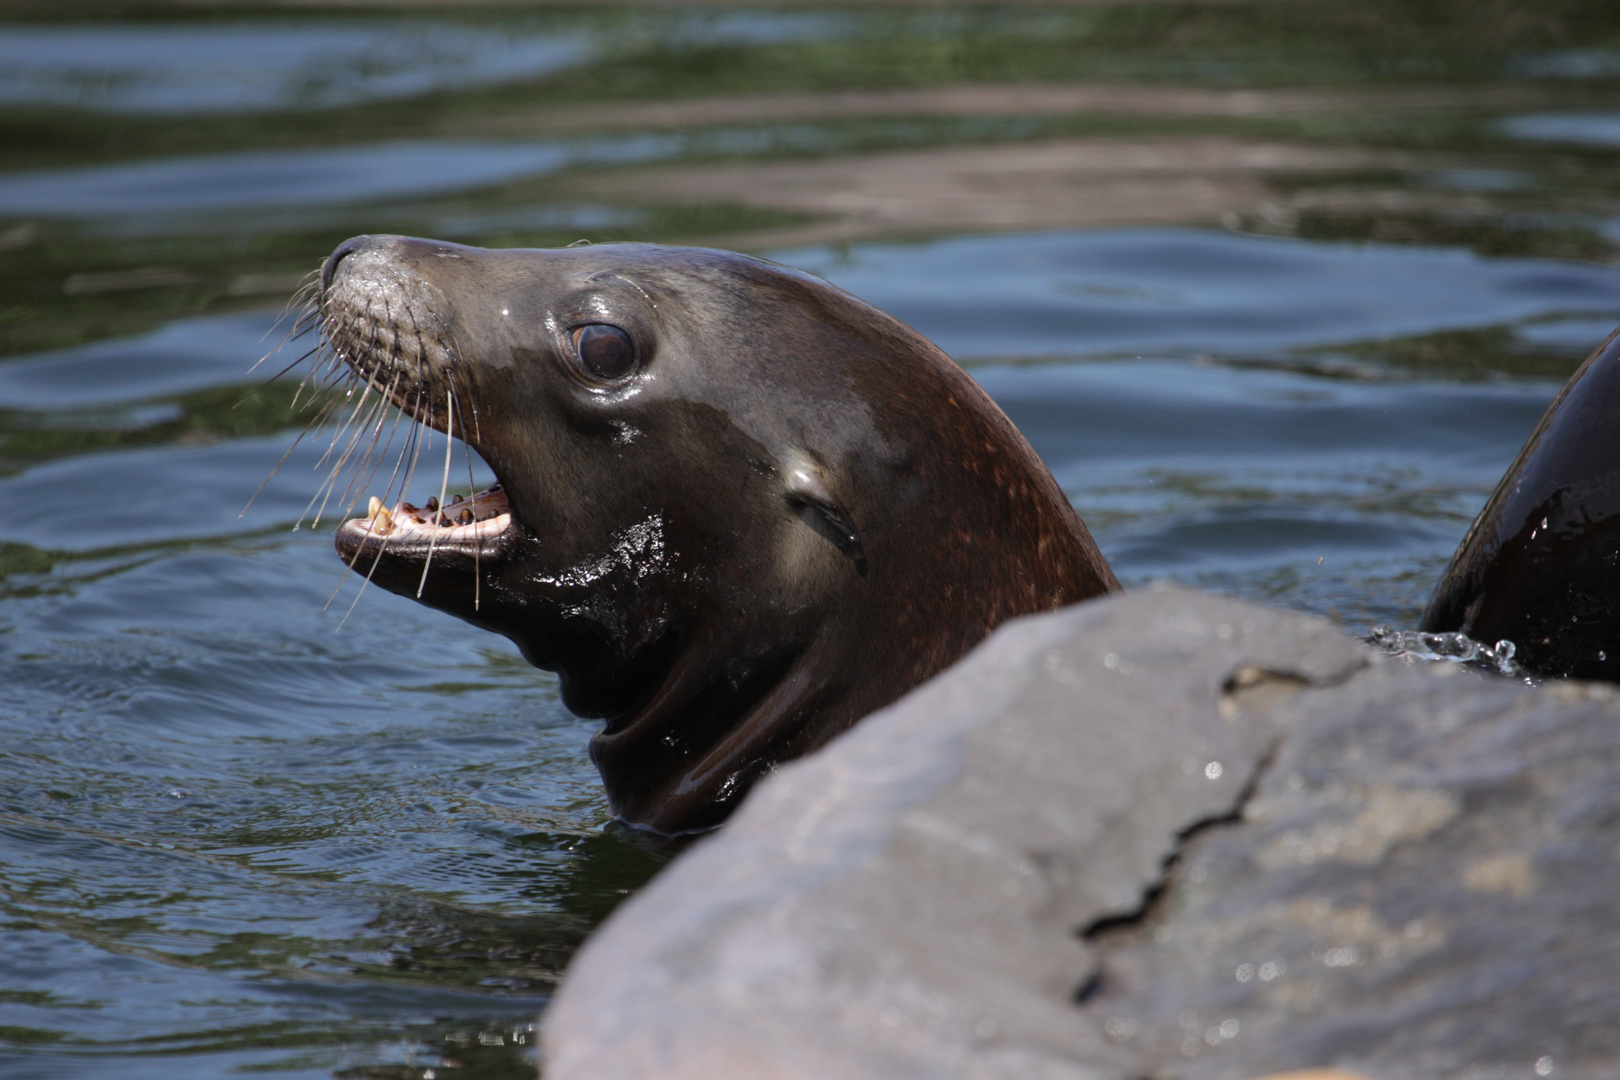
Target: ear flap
<point>808,494</point>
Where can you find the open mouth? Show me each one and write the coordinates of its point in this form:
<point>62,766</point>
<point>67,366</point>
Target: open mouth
<point>463,523</point>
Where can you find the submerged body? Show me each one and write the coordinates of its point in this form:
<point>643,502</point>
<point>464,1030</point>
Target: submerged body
<point>738,509</point>
<point>1540,566</point>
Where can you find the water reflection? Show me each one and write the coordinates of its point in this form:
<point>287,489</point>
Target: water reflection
<point>1571,64</point>
<point>1108,292</point>
<point>261,65</point>
<point>176,358</point>
<point>295,177</point>
<point>1589,129</point>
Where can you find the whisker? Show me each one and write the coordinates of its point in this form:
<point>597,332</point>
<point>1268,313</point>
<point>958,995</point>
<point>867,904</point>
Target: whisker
<point>444,485</point>
<point>338,334</point>
<point>397,463</point>
<point>394,477</point>
<point>255,391</point>
<point>472,487</point>
<point>343,458</point>
<point>414,440</point>
<point>383,547</point>
<point>324,492</point>
<point>307,429</point>
<point>359,475</point>
<point>366,387</point>
<point>359,549</point>
<point>315,370</point>
<point>341,429</point>
<point>381,455</point>
<point>301,301</point>
<point>361,591</point>
<point>381,344</point>
<point>327,408</point>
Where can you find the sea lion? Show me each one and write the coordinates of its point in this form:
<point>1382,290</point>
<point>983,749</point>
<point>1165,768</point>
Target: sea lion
<point>738,509</point>
<point>1540,566</point>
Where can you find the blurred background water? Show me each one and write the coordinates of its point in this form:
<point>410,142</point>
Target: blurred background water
<point>1277,289</point>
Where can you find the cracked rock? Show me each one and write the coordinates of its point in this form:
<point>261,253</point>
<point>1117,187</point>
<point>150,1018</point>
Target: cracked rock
<point>1161,834</point>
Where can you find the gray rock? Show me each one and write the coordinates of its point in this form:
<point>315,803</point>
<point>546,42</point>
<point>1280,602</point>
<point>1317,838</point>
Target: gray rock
<point>1162,834</point>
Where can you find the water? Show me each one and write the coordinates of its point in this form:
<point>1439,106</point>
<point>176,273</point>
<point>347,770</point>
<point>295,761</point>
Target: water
<point>1283,356</point>
<point>259,179</point>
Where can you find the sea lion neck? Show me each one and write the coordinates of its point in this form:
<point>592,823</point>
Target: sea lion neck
<point>683,759</point>
<point>737,508</point>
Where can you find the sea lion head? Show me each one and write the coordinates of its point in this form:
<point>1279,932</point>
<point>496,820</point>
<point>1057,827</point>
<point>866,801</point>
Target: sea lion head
<point>737,508</point>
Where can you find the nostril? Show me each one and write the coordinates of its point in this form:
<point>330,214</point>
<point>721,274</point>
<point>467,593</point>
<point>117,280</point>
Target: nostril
<point>348,247</point>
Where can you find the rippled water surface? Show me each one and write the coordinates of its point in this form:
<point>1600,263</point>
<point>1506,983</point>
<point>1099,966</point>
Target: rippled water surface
<point>1276,294</point>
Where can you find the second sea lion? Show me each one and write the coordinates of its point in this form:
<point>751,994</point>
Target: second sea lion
<point>1540,566</point>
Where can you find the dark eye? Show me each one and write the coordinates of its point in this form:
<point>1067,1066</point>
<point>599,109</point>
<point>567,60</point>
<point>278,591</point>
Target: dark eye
<point>604,351</point>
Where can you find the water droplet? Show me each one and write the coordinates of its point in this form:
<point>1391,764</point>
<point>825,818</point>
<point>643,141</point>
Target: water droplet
<point>1544,1066</point>
<point>1343,956</point>
<point>1455,647</point>
<point>1213,770</point>
<point>1245,972</point>
<point>1119,1028</point>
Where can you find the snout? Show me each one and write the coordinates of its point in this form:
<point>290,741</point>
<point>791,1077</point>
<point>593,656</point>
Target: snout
<point>343,251</point>
<point>399,252</point>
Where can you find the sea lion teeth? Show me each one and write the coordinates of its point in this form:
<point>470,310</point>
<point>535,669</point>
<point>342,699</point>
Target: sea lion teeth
<point>432,504</point>
<point>821,510</point>
<point>373,506</point>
